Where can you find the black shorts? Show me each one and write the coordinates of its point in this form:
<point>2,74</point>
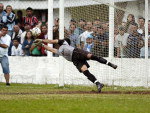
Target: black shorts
<point>79,58</point>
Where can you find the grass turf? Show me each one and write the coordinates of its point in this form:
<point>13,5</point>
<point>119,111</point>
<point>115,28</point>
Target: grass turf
<point>12,101</point>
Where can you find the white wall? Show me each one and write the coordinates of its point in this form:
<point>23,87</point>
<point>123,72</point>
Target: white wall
<point>43,70</point>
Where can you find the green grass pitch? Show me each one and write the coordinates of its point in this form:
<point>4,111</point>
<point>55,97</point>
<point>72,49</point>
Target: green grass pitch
<point>30,98</point>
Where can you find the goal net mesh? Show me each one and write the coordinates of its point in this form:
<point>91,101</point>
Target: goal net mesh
<point>91,33</point>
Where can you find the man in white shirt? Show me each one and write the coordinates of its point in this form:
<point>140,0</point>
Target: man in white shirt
<point>121,42</point>
<point>16,32</point>
<point>16,49</point>
<point>141,27</point>
<point>4,44</point>
<point>84,35</point>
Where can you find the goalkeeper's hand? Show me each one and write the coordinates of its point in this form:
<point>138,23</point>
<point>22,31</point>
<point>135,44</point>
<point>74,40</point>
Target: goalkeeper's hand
<point>38,41</point>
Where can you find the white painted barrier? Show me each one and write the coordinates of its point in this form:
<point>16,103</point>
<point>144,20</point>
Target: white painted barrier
<point>44,70</point>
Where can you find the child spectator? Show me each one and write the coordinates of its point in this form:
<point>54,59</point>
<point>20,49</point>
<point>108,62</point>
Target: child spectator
<point>84,35</point>
<point>16,49</point>
<point>27,43</point>
<point>89,43</point>
<point>16,34</point>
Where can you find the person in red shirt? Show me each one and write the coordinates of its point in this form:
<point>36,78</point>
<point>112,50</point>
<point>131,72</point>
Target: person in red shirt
<point>29,18</point>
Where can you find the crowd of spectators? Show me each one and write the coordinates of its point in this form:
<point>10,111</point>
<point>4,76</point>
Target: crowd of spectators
<point>92,36</point>
<point>23,30</point>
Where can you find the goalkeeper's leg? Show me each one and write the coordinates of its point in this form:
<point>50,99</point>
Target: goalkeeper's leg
<point>101,60</point>
<point>91,77</point>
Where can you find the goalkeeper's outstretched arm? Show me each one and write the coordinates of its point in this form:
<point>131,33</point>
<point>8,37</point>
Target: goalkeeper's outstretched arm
<point>46,41</point>
<point>50,49</point>
<point>50,41</point>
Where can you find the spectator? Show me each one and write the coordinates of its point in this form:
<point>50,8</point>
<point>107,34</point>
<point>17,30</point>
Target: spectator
<point>43,35</point>
<point>94,29</point>
<point>10,19</point>
<point>141,28</point>
<point>123,24</point>
<point>75,42</point>
<point>56,31</point>
<point>19,20</point>
<point>44,32</point>
<point>97,22</point>
<point>4,44</point>
<point>106,27</point>
<point>89,43</point>
<point>39,24</point>
<point>35,50</point>
<point>142,52</point>
<point>130,21</point>
<point>115,34</point>
<point>103,42</point>
<point>16,49</point>
<point>134,42</point>
<point>27,28</point>
<point>3,16</point>
<point>84,35</point>
<point>16,32</point>
<point>121,42</point>
<point>72,21</point>
<point>32,20</point>
<point>56,34</point>
<point>27,43</point>
<point>79,30</point>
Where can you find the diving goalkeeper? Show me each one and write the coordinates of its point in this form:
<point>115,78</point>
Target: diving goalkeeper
<point>79,57</point>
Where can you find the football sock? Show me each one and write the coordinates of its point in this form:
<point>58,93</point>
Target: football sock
<point>99,59</point>
<point>90,76</point>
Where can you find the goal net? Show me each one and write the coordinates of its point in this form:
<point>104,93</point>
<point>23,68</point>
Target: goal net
<point>124,22</point>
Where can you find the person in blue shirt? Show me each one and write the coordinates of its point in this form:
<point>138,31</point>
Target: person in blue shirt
<point>27,43</point>
<point>89,43</point>
<point>10,19</point>
<point>3,16</point>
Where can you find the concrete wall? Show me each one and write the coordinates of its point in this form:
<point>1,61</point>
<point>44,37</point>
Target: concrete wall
<point>43,70</point>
